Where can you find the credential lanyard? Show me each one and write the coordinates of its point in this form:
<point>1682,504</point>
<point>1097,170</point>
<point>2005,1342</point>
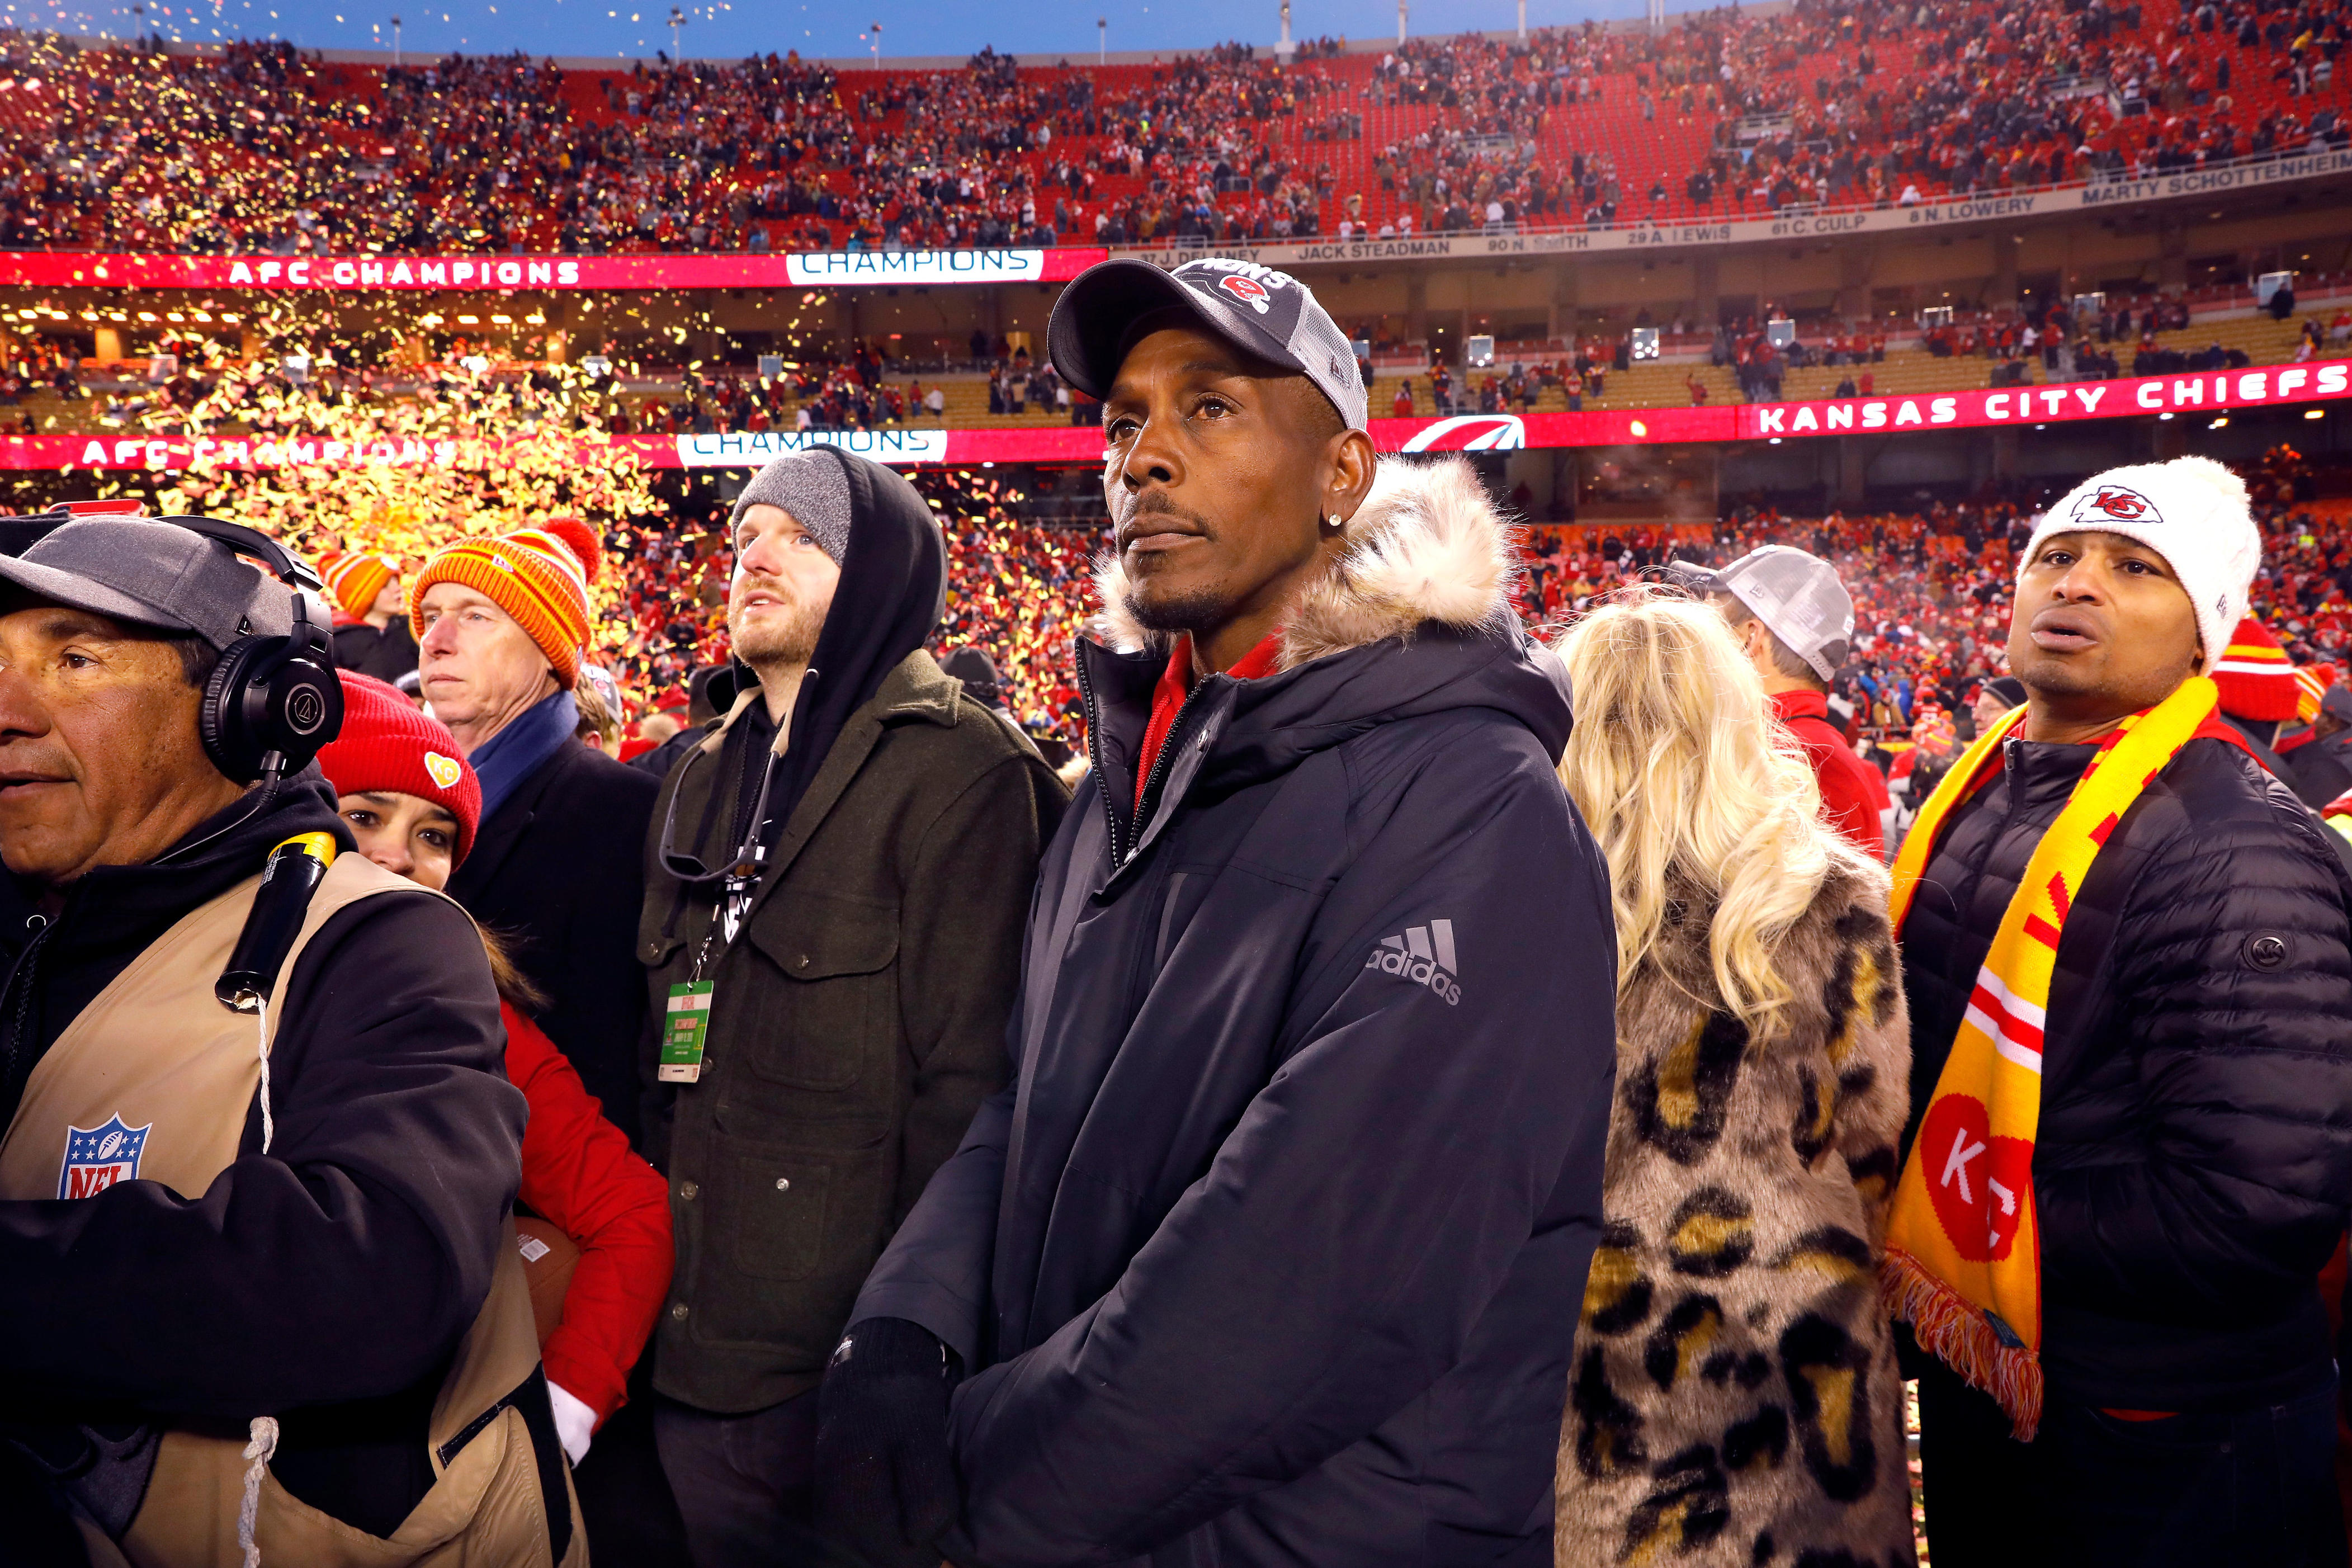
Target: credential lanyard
<point>685,1025</point>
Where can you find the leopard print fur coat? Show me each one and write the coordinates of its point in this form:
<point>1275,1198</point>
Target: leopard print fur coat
<point>1733,1400</point>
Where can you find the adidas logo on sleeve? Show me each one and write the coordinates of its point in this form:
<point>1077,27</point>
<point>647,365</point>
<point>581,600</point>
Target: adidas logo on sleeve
<point>1424,955</point>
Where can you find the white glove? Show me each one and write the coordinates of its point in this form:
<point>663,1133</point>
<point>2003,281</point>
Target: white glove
<point>575,1424</point>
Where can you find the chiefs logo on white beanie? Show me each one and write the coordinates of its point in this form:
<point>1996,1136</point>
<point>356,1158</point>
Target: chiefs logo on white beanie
<point>2192,511</point>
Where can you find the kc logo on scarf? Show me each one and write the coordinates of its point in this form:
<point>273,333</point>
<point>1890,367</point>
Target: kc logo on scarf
<point>1982,1181</point>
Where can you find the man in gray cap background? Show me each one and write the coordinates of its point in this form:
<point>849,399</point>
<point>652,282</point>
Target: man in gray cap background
<point>309,1248</point>
<point>1795,622</point>
<point>835,887</point>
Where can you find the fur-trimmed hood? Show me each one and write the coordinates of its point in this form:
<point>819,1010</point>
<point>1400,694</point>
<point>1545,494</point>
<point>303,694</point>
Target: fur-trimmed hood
<point>1414,621</point>
<point>1426,545</point>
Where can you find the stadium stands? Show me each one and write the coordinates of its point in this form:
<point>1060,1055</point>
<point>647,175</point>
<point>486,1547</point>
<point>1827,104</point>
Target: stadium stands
<point>1830,103</point>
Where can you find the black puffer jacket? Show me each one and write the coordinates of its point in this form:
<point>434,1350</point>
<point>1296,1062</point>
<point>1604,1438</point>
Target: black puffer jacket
<point>2195,1151</point>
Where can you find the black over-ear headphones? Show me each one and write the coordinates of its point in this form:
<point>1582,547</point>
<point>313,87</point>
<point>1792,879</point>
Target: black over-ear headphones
<point>272,702</point>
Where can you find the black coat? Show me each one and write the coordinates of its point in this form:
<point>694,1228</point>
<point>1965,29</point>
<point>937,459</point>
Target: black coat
<point>2321,770</point>
<point>2194,1156</point>
<point>387,655</point>
<point>1275,1250</point>
<point>656,763</point>
<point>559,870</point>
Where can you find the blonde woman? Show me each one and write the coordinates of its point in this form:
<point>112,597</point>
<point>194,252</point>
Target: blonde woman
<point>1733,1399</point>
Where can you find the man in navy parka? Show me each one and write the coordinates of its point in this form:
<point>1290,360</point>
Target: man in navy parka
<point>1273,1251</point>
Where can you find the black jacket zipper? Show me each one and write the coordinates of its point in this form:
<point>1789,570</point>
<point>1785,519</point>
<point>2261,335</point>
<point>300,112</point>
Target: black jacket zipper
<point>1169,749</point>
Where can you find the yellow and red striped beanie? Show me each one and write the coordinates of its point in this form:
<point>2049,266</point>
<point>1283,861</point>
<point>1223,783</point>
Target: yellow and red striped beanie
<point>539,577</point>
<point>2256,678</point>
<point>355,579</point>
<point>2310,682</point>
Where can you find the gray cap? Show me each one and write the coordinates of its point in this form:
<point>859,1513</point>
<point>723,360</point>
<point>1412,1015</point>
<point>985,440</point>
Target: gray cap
<point>2006,689</point>
<point>1266,314</point>
<point>145,571</point>
<point>813,487</point>
<point>1798,597</point>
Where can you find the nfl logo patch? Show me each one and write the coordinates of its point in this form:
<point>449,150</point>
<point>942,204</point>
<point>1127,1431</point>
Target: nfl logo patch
<point>100,1156</point>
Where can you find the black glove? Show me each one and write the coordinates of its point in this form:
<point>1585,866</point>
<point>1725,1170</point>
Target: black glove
<point>885,1487</point>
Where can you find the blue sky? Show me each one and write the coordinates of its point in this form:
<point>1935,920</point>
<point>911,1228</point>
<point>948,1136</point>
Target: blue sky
<point>714,29</point>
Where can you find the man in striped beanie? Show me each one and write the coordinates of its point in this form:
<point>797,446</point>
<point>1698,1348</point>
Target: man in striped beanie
<point>371,634</point>
<point>2258,690</point>
<point>501,624</point>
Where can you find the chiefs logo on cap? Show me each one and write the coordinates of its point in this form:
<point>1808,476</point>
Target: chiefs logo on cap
<point>445,770</point>
<point>2117,504</point>
<point>1247,289</point>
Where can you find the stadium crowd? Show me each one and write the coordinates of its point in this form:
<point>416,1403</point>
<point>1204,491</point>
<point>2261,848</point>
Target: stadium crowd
<point>255,147</point>
<point>1019,540</point>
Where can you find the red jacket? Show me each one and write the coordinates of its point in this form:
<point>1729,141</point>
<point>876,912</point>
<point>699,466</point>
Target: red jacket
<point>580,1175</point>
<point>1852,794</point>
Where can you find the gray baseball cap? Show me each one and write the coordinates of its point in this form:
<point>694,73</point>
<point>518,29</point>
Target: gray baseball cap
<point>1797,595</point>
<point>1266,314</point>
<point>145,571</point>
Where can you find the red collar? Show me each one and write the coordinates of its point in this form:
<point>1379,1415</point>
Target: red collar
<point>1801,704</point>
<point>1176,684</point>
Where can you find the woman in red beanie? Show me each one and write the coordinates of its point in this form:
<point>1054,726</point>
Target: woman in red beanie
<point>412,804</point>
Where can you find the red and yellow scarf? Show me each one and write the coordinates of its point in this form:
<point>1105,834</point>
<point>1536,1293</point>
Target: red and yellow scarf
<point>1963,1262</point>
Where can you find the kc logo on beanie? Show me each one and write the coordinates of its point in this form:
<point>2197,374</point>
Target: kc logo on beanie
<point>2193,512</point>
<point>2117,504</point>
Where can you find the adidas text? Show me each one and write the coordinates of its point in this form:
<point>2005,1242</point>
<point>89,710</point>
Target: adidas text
<point>1424,955</point>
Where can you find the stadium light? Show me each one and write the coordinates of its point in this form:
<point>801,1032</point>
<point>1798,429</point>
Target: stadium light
<point>1523,21</point>
<point>1284,49</point>
<point>676,20</point>
<point>1401,4</point>
<point>1102,40</point>
<point>395,43</point>
<point>2314,413</point>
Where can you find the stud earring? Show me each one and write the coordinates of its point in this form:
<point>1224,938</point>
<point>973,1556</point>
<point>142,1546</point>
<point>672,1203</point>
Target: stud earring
<point>1335,523</point>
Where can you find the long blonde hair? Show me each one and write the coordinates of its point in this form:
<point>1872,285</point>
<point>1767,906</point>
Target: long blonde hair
<point>1678,766</point>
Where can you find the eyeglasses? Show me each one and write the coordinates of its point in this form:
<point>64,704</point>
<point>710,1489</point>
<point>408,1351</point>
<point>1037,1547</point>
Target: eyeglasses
<point>745,862</point>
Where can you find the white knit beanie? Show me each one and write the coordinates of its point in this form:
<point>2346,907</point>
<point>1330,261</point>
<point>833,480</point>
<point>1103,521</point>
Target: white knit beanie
<point>2193,512</point>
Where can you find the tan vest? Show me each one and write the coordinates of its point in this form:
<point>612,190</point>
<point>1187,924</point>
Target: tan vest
<point>152,1081</point>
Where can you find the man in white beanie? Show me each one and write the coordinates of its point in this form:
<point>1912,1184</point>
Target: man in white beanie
<point>2128,962</point>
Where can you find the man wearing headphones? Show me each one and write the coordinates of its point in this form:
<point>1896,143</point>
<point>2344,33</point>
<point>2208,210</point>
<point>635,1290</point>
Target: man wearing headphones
<point>284,1231</point>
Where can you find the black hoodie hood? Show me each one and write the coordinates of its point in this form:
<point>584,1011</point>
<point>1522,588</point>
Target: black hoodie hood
<point>892,592</point>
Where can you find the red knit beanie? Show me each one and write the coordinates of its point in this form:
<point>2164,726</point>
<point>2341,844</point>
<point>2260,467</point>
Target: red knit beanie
<point>2256,678</point>
<point>387,743</point>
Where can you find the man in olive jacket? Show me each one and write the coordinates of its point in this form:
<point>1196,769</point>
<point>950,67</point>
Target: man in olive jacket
<point>845,860</point>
